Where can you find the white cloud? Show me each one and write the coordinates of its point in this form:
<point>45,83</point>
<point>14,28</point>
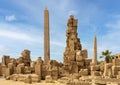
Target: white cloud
<point>10,18</point>
<point>57,43</point>
<point>1,48</point>
<point>26,37</point>
<point>72,12</point>
<point>111,40</point>
<point>15,35</point>
<point>115,25</point>
<point>4,50</point>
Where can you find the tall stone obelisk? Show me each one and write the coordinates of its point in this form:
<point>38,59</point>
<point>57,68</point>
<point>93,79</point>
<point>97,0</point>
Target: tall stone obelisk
<point>46,36</point>
<point>95,51</point>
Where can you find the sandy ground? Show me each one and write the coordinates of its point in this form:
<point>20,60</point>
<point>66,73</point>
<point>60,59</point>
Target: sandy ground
<point>11,82</point>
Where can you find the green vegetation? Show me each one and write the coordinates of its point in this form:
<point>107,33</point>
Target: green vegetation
<point>107,55</point>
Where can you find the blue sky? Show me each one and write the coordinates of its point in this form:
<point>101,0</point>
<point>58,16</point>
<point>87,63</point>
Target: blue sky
<point>21,25</point>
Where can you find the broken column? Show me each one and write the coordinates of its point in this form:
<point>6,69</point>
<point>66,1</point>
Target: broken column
<point>38,67</point>
<point>26,57</point>
<point>5,60</point>
<point>0,70</point>
<point>8,72</point>
<point>20,68</point>
<point>72,42</point>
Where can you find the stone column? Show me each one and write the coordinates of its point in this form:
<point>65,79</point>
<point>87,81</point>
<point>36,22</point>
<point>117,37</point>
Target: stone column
<point>5,60</point>
<point>38,68</point>
<point>95,51</point>
<point>46,36</point>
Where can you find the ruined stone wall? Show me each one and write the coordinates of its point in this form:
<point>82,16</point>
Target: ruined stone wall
<point>74,56</point>
<point>5,60</point>
<point>72,41</point>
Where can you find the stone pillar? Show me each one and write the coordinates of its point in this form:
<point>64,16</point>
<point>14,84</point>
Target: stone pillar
<point>38,68</point>
<point>72,42</point>
<point>95,51</point>
<point>5,60</point>
<point>20,68</point>
<point>11,67</point>
<point>46,36</point>
<point>26,57</point>
<point>8,72</point>
<point>0,70</point>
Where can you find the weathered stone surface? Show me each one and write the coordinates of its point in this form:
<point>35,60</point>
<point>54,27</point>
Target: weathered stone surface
<point>0,70</point>
<point>32,64</point>
<point>7,78</point>
<point>14,77</point>
<point>115,70</point>
<point>83,72</point>
<point>26,57</point>
<point>4,70</point>
<point>85,53</point>
<point>28,79</point>
<point>8,72</point>
<point>13,62</point>
<point>21,77</point>
<point>95,68</point>
<point>77,82</point>
<point>48,79</point>
<point>73,43</point>
<point>5,60</point>
<point>74,56</point>
<point>46,37</point>
<point>95,73</point>
<point>27,70</point>
<point>95,51</point>
<point>108,69</point>
<point>35,78</point>
<point>79,56</point>
<point>38,67</point>
<point>20,68</point>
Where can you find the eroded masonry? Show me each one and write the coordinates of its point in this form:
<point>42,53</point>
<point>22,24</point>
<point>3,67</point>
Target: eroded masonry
<point>76,69</point>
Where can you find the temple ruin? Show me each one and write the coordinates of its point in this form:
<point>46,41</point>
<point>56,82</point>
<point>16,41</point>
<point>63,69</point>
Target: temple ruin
<point>74,57</point>
<point>76,69</point>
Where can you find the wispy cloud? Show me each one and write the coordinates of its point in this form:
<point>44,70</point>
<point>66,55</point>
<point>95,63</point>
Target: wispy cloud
<point>15,35</point>
<point>1,48</point>
<point>72,12</point>
<point>114,25</point>
<point>57,43</point>
<point>10,18</point>
<point>111,40</point>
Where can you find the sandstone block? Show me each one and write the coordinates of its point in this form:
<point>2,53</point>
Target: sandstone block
<point>8,72</point>
<point>28,79</point>
<point>48,79</point>
<point>95,68</point>
<point>95,73</point>
<point>83,72</point>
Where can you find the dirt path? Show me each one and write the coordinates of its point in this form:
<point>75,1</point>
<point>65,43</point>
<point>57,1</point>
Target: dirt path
<point>11,82</point>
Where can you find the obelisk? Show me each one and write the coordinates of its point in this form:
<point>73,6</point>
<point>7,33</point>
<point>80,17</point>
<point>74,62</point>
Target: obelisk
<point>46,36</point>
<point>95,51</point>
